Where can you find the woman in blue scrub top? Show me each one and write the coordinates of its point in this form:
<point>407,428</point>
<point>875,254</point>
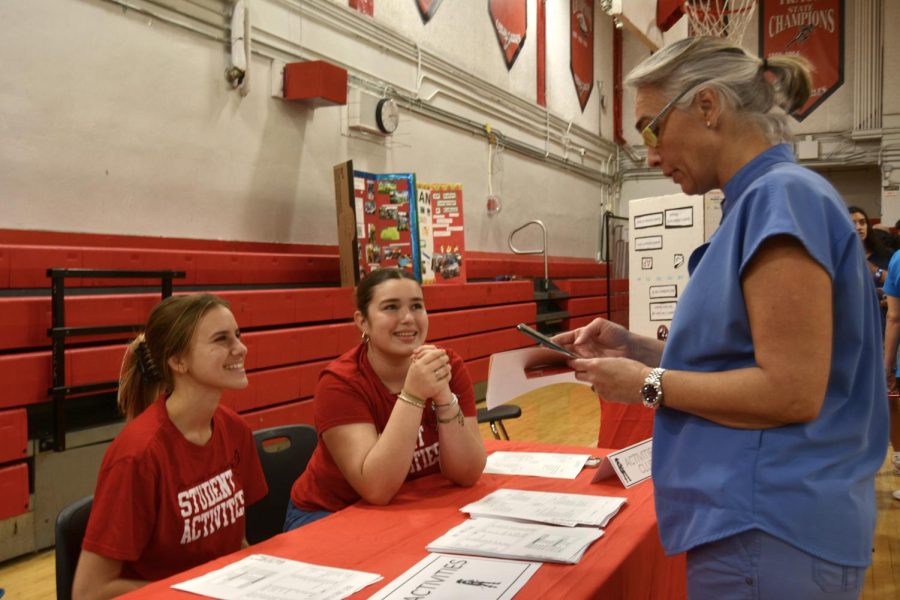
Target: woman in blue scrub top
<point>771,419</point>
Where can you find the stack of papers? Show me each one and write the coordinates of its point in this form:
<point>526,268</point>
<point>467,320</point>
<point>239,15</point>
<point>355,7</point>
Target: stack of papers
<point>497,538</point>
<point>567,510</point>
<point>539,464</point>
<point>264,577</point>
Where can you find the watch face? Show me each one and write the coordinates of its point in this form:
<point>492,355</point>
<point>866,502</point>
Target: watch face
<point>387,115</point>
<point>649,393</point>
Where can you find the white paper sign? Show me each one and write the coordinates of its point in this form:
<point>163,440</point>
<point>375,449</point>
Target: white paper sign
<point>651,220</point>
<point>444,577</point>
<point>680,217</point>
<point>631,464</point>
<point>650,242</point>
<point>662,311</point>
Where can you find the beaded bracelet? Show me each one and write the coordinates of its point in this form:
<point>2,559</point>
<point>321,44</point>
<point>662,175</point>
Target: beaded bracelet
<point>410,399</point>
<point>458,417</point>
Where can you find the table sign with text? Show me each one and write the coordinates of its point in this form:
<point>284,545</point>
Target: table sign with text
<point>445,577</point>
<point>630,464</point>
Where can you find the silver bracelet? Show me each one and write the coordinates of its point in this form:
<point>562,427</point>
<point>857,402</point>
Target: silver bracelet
<point>410,399</point>
<point>454,400</point>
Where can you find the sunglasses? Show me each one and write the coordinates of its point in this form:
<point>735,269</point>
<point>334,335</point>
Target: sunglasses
<point>650,133</point>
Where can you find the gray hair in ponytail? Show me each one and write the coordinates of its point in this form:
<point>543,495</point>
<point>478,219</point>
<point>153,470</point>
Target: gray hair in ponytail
<point>759,92</point>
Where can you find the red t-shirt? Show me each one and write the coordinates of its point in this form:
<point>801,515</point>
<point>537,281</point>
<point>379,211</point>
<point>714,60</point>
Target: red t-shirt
<point>349,391</point>
<point>163,504</point>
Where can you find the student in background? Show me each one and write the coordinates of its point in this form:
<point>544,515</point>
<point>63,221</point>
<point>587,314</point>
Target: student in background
<point>878,255</point>
<point>891,341</point>
<point>175,482</point>
<point>391,409</point>
<point>770,419</point>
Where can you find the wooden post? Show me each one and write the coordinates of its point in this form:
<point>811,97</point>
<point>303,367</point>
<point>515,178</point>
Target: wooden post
<point>346,223</point>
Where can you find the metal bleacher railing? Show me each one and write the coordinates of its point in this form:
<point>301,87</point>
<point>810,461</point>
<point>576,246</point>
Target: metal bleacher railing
<point>59,332</point>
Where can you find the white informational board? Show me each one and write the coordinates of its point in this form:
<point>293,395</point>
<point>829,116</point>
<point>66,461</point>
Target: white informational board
<point>890,205</point>
<point>663,233</point>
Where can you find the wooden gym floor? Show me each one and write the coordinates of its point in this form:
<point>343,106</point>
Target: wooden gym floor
<point>560,414</point>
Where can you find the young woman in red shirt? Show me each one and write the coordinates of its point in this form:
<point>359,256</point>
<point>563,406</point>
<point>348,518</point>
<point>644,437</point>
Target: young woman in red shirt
<point>391,409</point>
<point>174,484</point>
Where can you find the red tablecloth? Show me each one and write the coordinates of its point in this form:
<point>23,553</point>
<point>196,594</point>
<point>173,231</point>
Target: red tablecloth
<point>623,424</point>
<point>627,562</point>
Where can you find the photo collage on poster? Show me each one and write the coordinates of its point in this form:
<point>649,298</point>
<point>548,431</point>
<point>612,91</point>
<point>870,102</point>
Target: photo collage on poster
<point>386,221</point>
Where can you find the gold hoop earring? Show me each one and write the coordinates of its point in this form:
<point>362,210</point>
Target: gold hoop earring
<point>365,337</point>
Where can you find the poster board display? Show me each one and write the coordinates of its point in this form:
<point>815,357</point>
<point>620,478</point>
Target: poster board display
<point>442,241</point>
<point>387,228</point>
<point>663,233</point>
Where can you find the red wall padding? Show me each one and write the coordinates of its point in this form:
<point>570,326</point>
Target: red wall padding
<point>463,322</point>
<point>13,490</point>
<point>461,295</point>
<point>286,414</point>
<point>582,287</point>
<point>4,267</point>
<point>584,306</point>
<point>13,435</point>
<point>478,369</point>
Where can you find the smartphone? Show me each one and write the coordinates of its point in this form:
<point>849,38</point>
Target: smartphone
<point>543,340</point>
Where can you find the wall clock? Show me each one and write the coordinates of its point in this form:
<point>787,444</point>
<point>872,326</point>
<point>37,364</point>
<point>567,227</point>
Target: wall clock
<point>387,115</point>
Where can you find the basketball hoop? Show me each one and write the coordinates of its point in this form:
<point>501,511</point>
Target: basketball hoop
<point>719,18</point>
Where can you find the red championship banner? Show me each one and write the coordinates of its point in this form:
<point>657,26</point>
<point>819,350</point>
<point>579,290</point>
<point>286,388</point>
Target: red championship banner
<point>366,7</point>
<point>510,22</point>
<point>581,22</point>
<point>427,8</point>
<point>813,29</point>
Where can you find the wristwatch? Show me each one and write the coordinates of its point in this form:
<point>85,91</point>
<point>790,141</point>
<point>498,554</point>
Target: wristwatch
<point>652,391</point>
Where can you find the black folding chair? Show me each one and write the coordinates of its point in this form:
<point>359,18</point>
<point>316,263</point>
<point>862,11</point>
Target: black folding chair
<point>284,453</point>
<point>71,523</point>
<point>495,417</point>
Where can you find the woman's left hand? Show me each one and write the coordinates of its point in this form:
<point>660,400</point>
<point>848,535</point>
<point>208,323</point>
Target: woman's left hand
<point>613,379</point>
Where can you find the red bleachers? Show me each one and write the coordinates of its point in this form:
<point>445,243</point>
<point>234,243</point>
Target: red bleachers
<point>488,265</point>
<point>292,333</point>
<point>26,267</point>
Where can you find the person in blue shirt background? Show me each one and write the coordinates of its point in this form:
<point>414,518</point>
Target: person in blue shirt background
<point>891,341</point>
<point>771,419</point>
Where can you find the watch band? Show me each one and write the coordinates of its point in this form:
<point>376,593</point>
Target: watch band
<point>651,391</point>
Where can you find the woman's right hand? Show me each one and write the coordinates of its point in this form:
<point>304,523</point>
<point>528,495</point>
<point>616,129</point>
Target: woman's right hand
<point>598,339</point>
<point>429,373</point>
